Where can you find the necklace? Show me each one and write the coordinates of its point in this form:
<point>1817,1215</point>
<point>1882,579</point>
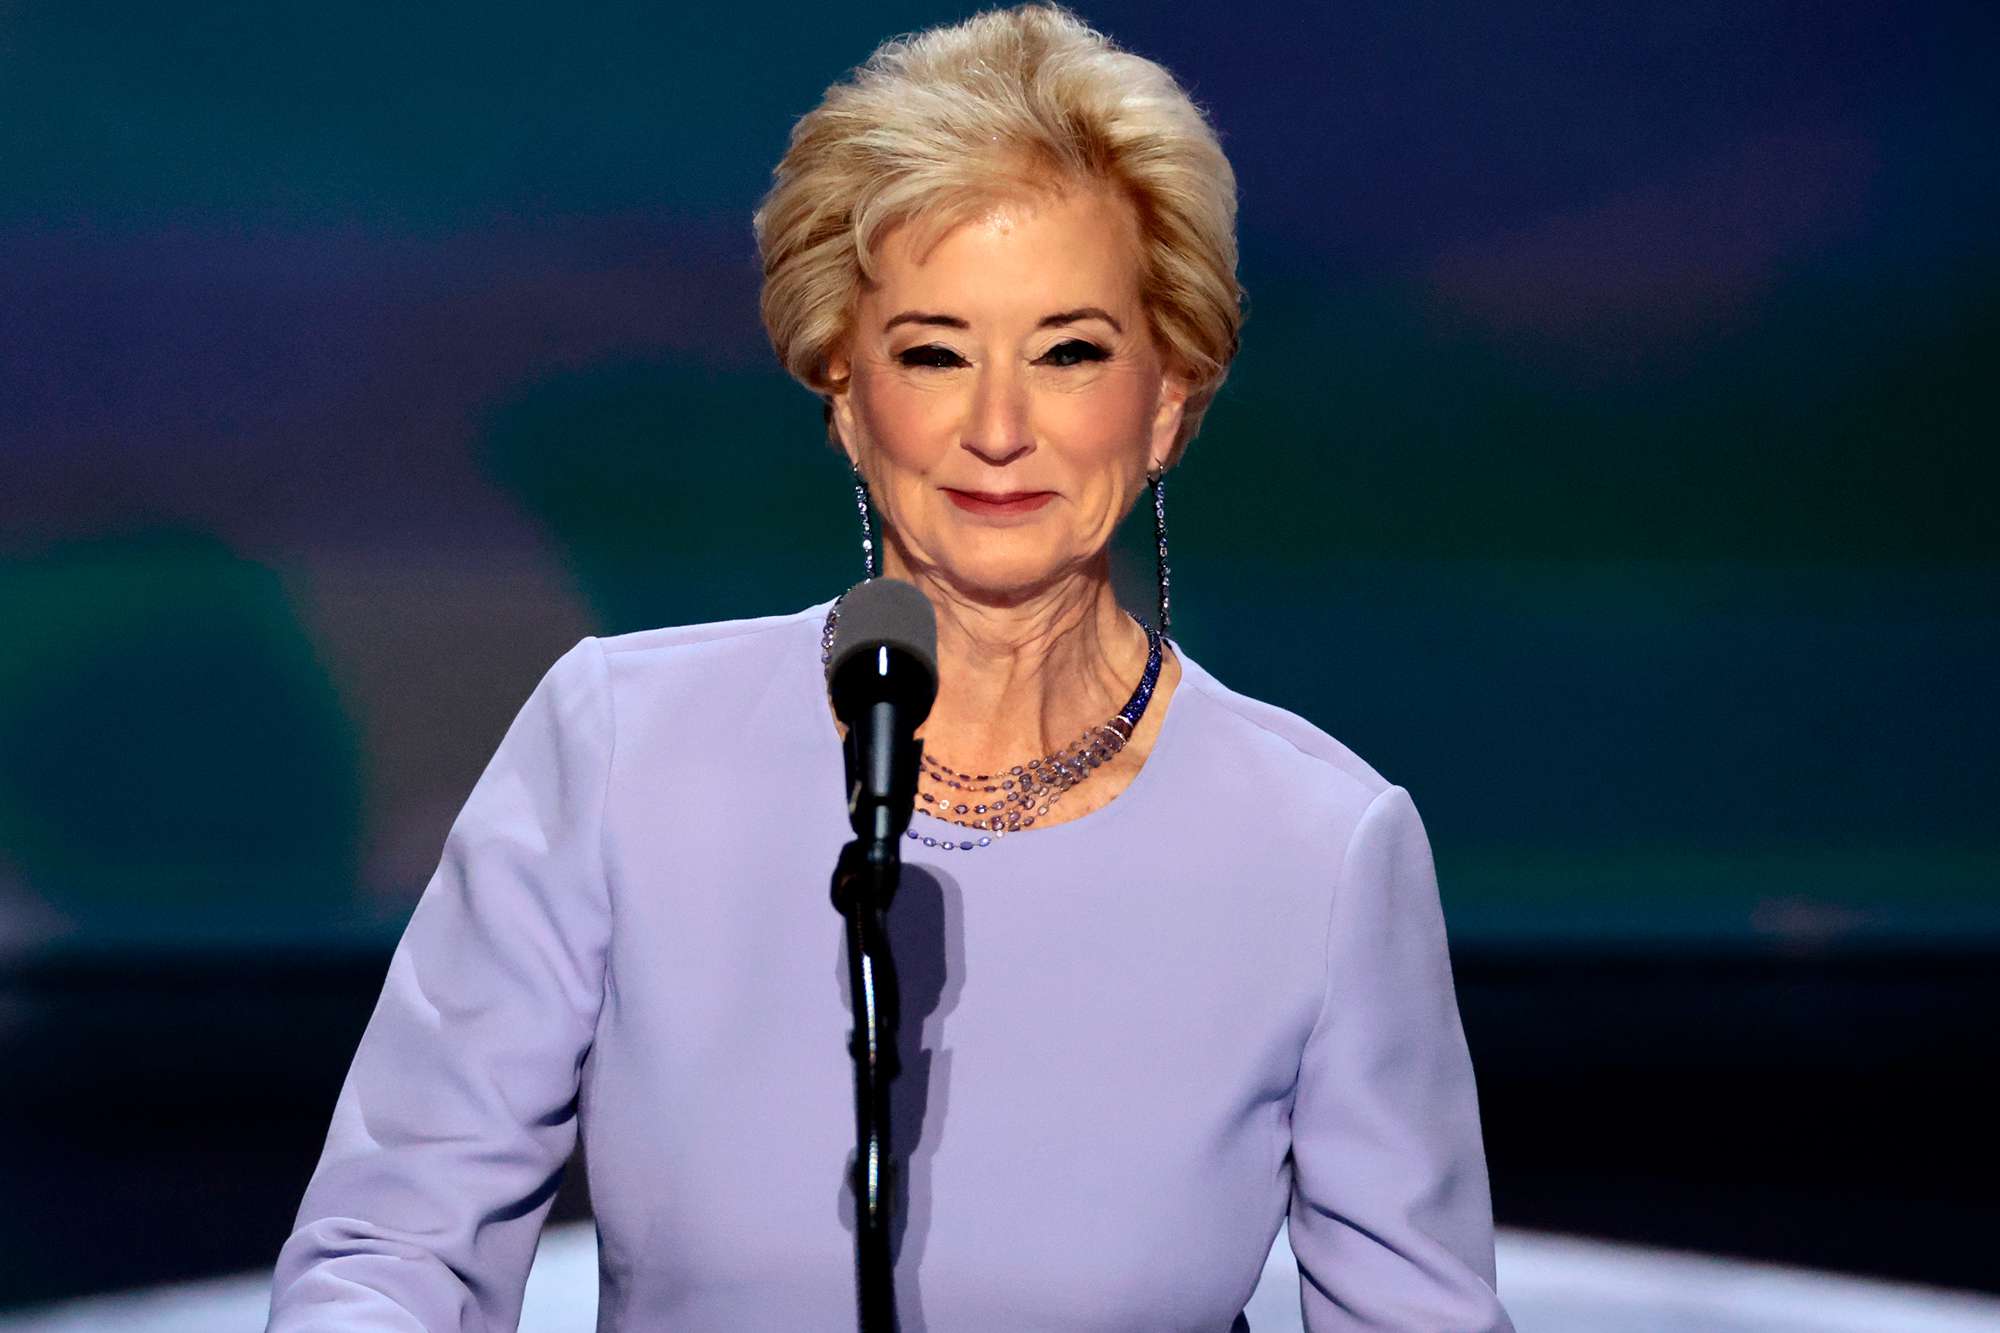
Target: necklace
<point>992,805</point>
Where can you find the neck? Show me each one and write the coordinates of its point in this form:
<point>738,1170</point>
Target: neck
<point>1022,675</point>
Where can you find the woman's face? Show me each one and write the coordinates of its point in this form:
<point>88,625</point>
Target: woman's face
<point>1004,395</point>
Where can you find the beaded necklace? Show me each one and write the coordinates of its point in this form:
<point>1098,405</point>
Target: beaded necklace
<point>992,805</point>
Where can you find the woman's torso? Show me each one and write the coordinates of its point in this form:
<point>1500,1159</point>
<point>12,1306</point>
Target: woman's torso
<point>1102,1027</point>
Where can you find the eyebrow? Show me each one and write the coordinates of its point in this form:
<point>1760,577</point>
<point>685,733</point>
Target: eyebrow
<point>1082,312</point>
<point>923,317</point>
<point>1047,322</point>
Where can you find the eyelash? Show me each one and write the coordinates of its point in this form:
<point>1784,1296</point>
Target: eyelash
<point>918,358</point>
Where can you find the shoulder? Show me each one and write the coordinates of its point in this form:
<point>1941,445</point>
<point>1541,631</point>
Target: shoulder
<point>1273,759</point>
<point>669,646</point>
<point>713,655</point>
<point>722,676</point>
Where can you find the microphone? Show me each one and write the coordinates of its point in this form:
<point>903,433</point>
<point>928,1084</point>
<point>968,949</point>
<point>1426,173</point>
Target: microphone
<point>883,679</point>
<point>882,674</point>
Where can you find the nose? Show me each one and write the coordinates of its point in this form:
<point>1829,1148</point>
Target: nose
<point>996,427</point>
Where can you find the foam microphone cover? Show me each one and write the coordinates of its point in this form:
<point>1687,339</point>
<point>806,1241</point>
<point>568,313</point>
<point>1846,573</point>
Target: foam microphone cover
<point>881,613</point>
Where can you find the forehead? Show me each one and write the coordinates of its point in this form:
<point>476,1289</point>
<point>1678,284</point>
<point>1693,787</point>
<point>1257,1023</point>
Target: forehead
<point>1014,255</point>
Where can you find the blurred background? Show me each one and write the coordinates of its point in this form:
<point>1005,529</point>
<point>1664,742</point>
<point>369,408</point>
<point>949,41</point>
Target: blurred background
<point>1610,462</point>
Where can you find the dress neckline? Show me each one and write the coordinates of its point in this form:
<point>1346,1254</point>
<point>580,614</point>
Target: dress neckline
<point>934,833</point>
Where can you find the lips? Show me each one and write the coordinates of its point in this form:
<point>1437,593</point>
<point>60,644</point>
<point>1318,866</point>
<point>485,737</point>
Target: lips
<point>997,503</point>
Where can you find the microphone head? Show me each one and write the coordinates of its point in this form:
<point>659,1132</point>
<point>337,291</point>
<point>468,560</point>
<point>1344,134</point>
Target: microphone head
<point>880,614</point>
<point>886,611</point>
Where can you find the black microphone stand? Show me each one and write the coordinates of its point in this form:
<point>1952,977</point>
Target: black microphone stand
<point>882,685</point>
<point>864,880</point>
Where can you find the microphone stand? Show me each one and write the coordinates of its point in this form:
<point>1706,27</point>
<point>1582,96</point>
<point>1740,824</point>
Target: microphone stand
<point>882,685</point>
<point>864,880</point>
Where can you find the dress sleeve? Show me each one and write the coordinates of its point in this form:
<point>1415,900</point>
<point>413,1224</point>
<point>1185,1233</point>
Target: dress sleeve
<point>458,1113</point>
<point>1391,1212</point>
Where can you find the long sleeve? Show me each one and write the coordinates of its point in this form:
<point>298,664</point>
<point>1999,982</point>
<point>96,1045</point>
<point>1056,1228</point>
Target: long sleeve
<point>1391,1213</point>
<point>458,1113</point>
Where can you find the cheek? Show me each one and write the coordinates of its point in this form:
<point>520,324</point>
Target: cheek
<point>1106,421</point>
<point>911,425</point>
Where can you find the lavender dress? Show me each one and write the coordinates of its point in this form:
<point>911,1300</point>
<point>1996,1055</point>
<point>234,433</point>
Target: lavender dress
<point>1132,1042</point>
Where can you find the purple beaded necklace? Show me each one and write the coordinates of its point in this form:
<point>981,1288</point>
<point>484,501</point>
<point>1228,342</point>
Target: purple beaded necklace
<point>992,805</point>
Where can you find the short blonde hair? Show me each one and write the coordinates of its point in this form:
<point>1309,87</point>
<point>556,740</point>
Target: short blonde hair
<point>1010,102</point>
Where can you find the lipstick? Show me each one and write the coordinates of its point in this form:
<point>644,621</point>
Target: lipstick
<point>999,504</point>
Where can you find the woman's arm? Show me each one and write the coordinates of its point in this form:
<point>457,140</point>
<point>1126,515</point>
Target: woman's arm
<point>459,1111</point>
<point>1391,1216</point>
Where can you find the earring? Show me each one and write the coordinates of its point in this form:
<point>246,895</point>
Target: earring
<point>1159,484</point>
<point>867,529</point>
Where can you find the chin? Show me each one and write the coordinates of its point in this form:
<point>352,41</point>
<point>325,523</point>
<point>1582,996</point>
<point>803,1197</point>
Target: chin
<point>1000,579</point>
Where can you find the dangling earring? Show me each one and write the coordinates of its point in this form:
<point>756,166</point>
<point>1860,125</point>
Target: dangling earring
<point>1159,484</point>
<point>867,529</point>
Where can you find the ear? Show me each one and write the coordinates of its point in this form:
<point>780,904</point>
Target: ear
<point>840,405</point>
<point>1167,420</point>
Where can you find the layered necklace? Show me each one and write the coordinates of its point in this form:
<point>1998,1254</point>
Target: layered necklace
<point>989,806</point>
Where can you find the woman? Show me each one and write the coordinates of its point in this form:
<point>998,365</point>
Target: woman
<point>1155,999</point>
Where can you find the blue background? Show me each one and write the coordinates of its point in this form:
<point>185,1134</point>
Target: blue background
<point>1609,459</point>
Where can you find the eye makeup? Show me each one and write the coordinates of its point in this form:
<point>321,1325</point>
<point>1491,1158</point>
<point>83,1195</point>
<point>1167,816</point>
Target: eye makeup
<point>929,356</point>
<point>1074,351</point>
<point>1068,352</point>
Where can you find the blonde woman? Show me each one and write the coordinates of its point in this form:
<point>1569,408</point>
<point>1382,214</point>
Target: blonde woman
<point>1173,965</point>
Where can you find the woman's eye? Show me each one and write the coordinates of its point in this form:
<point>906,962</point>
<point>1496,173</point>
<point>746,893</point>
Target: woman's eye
<point>1073,352</point>
<point>931,357</point>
